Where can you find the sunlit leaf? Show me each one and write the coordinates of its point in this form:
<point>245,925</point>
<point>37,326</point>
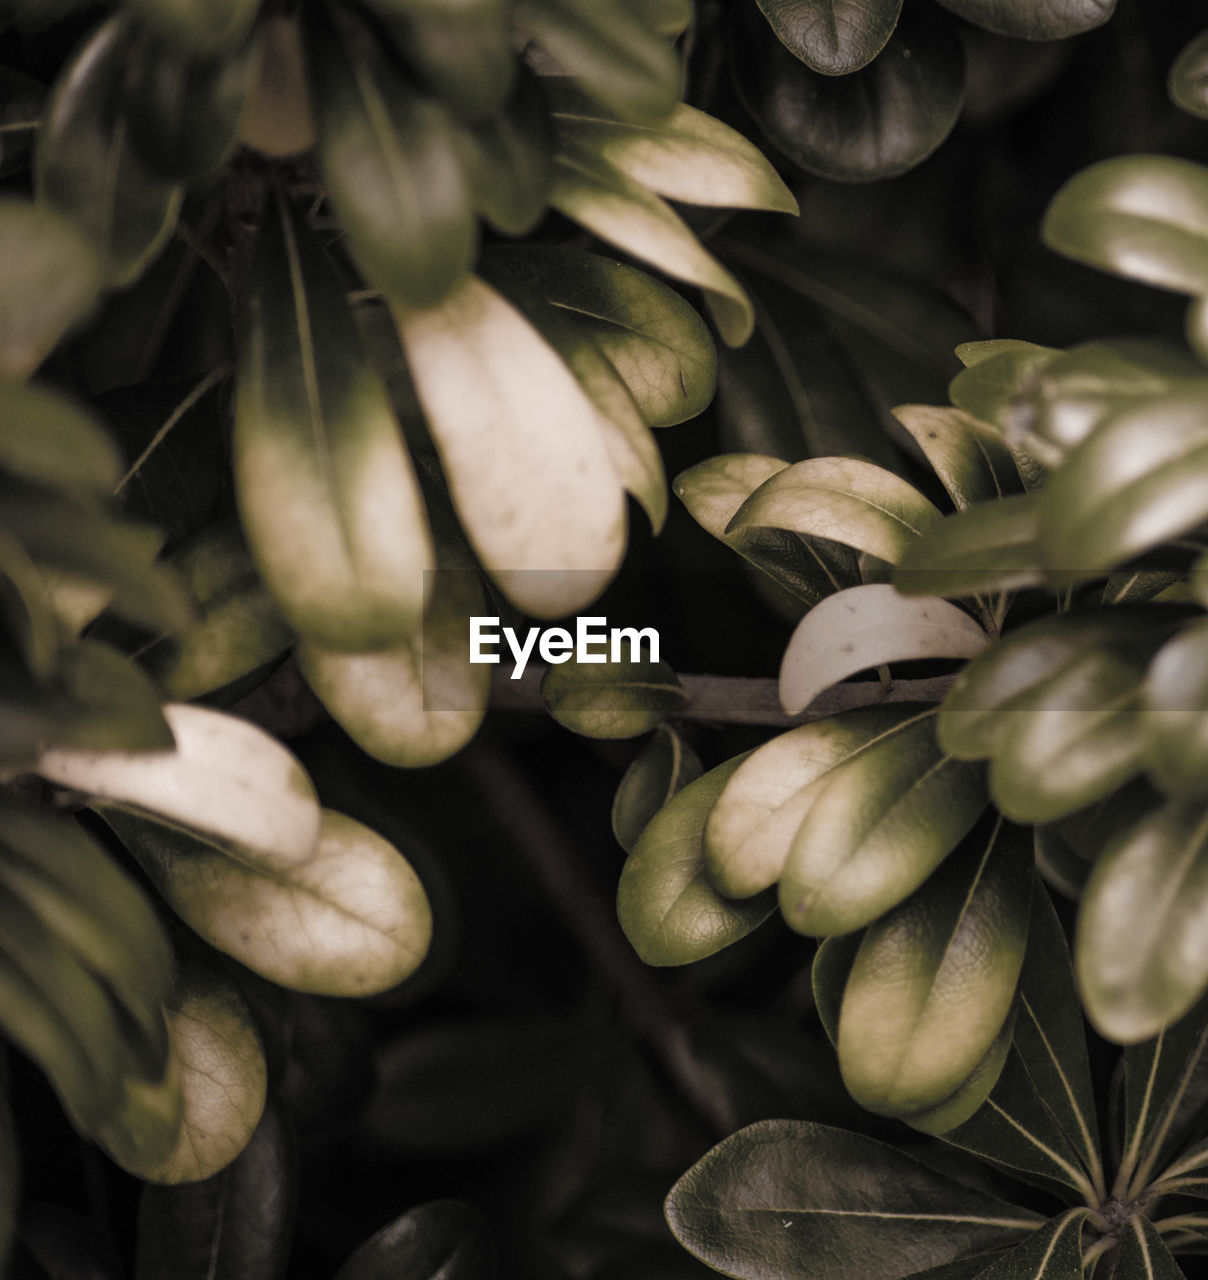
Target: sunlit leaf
<point>1176,714</point>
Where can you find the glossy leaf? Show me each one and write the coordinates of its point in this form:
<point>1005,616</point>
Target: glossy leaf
<point>854,1207</point>
<point>1141,957</point>
<point>624,213</point>
<point>1141,216</point>
<point>530,476</point>
<point>863,627</point>
<point>225,779</point>
<point>440,1240</point>
<point>1176,714</point>
<point>835,37</point>
<point>1034,19</point>
<point>610,50</point>
<point>863,845</point>
<point>236,1222</point>
<point>611,699</point>
<point>689,157</point>
<point>664,766</point>
<point>53,276</point>
<point>875,123</point>
<point>1188,79</point>
<point>809,568</point>
<point>972,463</point>
<point>669,911</point>
<point>844,499</point>
<point>88,168</point>
<point>420,702</point>
<point>391,161</point>
<point>653,338</point>
<point>751,827</point>
<point>327,494</point>
<point>934,979</point>
<point>200,26</point>
<point>350,921</point>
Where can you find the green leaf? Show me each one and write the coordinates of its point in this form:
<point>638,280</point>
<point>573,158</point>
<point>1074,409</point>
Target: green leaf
<point>653,338</point>
<point>199,26</point>
<point>973,1091</point>
<point>828,976</point>
<point>669,911</point>
<point>624,213</point>
<point>972,463</point>
<point>530,477</point>
<point>997,376</point>
<point>418,703</point>
<point>989,547</point>
<point>873,124</point>
<point>834,37</point>
<point>1034,19</point>
<point>864,845</point>
<point>391,160</point>
<point>236,1221</point>
<point>461,52</point>
<point>806,567</point>
<point>1175,695</point>
<point>350,921</point>
<point>1138,481</point>
<point>440,1240</point>
<point>866,626</point>
<point>183,111</point>
<point>664,766</point>
<point>1141,216</point>
<point>795,1199</point>
<point>1054,1252</point>
<point>48,439</point>
<point>607,699</point>
<point>1140,953</point>
<point>88,168</point>
<point>844,499</point>
<point>689,156</point>
<point>934,979</point>
<point>611,50</point>
<point>327,493</point>
<point>751,827</point>
<point>1188,78</point>
<point>1144,1255</point>
<point>53,276</point>
<point>226,780</point>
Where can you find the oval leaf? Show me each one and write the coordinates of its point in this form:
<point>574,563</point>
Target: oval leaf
<point>611,699</point>
<point>664,766</point>
<point>834,37</point>
<point>1034,19</point>
<point>972,463</point>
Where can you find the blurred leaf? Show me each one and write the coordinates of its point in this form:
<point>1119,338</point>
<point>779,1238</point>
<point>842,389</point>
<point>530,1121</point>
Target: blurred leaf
<point>441,1240</point>
<point>199,26</point>
<point>531,479</point>
<point>866,626</point>
<point>996,379</point>
<point>53,277</point>
<point>666,905</point>
<point>226,780</point>
<point>351,920</point>
<point>856,1207</point>
<point>664,766</point>
<point>624,213</point>
<point>611,50</point>
<point>972,463</point>
<point>280,118</point>
<point>57,1243</point>
<point>236,1223</point>
<point>873,124</point>
<point>47,438</point>
<point>611,699</point>
<point>1188,79</point>
<point>420,702</point>
<point>327,494</point>
<point>653,338</point>
<point>391,161</point>
<point>834,37</point>
<point>863,844</point>
<point>689,157</point>
<point>88,168</point>
<point>1176,714</point>
<point>844,499</point>
<point>1034,20</point>
<point>329,1069</point>
<point>25,605</point>
<point>1141,216</point>
<point>22,99</point>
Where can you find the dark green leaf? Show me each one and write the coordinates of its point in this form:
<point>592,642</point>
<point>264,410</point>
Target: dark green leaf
<point>665,765</point>
<point>835,37</point>
<point>441,1240</point>
<point>795,1200</point>
<point>1034,19</point>
<point>1176,700</point>
<point>1188,79</point>
<point>25,605</point>
<point>53,276</point>
<point>236,1223</point>
<point>199,26</point>
<point>88,167</point>
<point>1142,216</point>
<point>1144,1255</point>
<point>666,905</point>
<point>874,124</point>
<point>1054,1252</point>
